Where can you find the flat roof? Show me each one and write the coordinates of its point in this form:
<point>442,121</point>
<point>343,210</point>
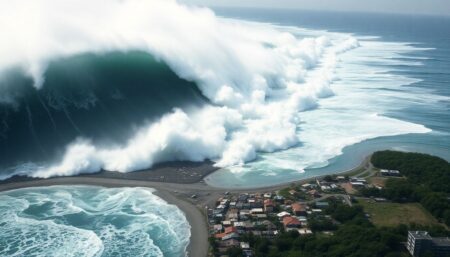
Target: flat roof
<point>420,234</point>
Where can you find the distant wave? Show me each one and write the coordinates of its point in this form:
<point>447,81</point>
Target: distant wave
<point>258,79</point>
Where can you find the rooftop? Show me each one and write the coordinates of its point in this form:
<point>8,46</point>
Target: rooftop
<point>420,234</point>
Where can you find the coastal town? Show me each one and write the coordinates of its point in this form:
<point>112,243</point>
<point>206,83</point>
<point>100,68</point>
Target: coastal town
<point>267,214</point>
<point>239,222</point>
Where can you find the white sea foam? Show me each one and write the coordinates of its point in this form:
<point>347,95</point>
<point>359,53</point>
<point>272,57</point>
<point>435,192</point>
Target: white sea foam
<point>260,77</point>
<point>33,223</point>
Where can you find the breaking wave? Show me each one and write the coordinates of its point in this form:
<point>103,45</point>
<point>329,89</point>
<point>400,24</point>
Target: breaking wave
<point>256,81</point>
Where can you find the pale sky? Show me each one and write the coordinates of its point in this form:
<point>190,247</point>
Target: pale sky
<point>433,7</point>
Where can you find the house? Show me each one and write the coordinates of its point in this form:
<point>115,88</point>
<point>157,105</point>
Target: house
<point>268,205</point>
<point>230,236</point>
<point>298,209</point>
<point>229,230</point>
<point>340,178</point>
<point>268,195</point>
<point>313,193</point>
<point>232,214</point>
<point>357,184</point>
<point>226,223</point>
<point>256,211</point>
<point>290,222</point>
<point>292,192</point>
<point>269,225</point>
<point>229,243</point>
<point>217,228</point>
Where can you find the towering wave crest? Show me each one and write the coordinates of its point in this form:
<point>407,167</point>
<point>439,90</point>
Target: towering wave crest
<point>259,78</point>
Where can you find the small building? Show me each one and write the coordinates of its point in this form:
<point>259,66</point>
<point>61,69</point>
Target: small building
<point>314,193</point>
<point>357,184</point>
<point>229,230</point>
<point>290,222</point>
<point>226,223</point>
<point>269,225</point>
<point>256,211</point>
<point>268,195</point>
<point>268,205</point>
<point>229,243</point>
<point>390,173</point>
<point>340,178</point>
<point>217,228</point>
<point>298,209</point>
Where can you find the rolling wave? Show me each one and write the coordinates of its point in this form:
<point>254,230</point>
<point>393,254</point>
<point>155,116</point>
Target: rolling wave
<point>101,97</point>
<point>241,88</point>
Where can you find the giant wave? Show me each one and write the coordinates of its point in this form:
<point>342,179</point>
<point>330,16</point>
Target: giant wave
<point>259,80</point>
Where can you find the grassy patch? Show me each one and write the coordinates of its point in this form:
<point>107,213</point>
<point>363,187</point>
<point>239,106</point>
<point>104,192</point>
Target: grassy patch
<point>393,214</point>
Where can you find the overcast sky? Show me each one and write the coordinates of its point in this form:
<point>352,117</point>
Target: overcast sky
<point>434,7</point>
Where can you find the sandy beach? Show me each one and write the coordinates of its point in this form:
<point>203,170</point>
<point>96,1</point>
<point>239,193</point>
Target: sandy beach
<point>178,194</point>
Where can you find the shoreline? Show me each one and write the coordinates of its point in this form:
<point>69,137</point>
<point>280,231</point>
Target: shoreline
<point>178,194</point>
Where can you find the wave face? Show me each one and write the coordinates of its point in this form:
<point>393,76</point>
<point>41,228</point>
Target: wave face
<point>259,82</point>
<point>101,97</point>
<point>90,221</point>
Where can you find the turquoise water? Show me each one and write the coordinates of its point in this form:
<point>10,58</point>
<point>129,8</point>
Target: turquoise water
<point>90,221</point>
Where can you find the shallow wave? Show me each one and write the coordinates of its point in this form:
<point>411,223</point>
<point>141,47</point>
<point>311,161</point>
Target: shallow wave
<point>261,80</point>
<point>90,221</point>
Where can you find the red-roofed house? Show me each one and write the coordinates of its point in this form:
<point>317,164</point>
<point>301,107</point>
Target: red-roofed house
<point>298,209</point>
<point>290,222</point>
<point>229,230</point>
<point>268,205</point>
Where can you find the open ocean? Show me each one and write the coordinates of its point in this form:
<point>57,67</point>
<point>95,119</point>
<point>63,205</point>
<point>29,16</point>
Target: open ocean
<point>408,79</point>
<point>272,96</point>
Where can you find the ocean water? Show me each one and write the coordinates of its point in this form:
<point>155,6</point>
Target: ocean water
<point>401,70</point>
<point>271,96</point>
<point>90,221</point>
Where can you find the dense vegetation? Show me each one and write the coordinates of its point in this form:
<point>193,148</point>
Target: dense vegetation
<point>427,181</point>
